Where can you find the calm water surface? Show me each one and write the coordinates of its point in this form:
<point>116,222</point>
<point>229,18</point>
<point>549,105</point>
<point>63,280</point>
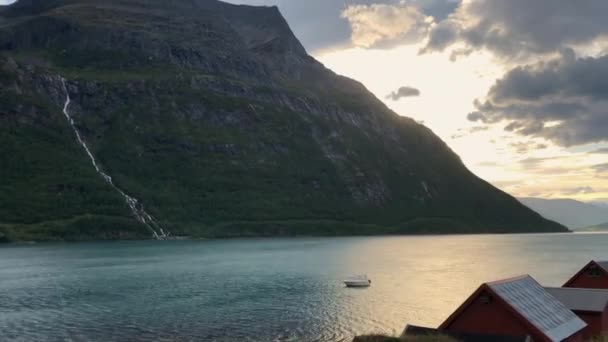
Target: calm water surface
<point>263,290</point>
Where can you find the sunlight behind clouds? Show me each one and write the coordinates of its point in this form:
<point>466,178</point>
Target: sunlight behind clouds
<point>447,88</point>
<point>521,166</point>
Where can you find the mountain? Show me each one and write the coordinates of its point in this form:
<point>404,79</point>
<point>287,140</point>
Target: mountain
<point>601,204</point>
<point>205,119</point>
<point>570,213</point>
<point>595,228</point>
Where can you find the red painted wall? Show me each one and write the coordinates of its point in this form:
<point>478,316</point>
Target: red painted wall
<point>489,318</point>
<point>586,281</point>
<point>578,337</point>
<point>595,323</point>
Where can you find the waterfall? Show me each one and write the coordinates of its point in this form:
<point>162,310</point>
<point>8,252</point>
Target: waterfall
<point>136,207</point>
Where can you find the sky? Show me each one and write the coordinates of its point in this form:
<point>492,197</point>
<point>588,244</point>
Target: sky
<point>518,88</point>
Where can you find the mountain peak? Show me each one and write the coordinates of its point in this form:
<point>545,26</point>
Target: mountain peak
<point>214,119</point>
<point>185,33</point>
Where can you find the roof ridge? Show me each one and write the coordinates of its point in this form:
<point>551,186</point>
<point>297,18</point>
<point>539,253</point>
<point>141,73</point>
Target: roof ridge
<point>602,263</point>
<point>559,328</point>
<point>508,280</point>
<point>576,289</point>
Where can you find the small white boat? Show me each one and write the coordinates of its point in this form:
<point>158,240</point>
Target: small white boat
<point>358,281</point>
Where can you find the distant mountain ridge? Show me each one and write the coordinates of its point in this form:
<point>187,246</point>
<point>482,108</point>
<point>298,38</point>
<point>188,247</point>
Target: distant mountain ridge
<point>595,228</point>
<point>213,118</point>
<point>571,213</point>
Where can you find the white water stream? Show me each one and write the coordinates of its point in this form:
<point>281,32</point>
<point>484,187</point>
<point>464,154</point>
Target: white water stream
<point>136,207</point>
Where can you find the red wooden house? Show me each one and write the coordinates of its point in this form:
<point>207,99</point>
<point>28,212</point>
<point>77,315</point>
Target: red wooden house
<point>516,307</point>
<point>593,276</point>
<point>591,305</point>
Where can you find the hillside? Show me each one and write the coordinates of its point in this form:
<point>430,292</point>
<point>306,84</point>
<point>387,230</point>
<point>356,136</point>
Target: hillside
<point>570,213</point>
<point>595,228</point>
<point>210,120</point>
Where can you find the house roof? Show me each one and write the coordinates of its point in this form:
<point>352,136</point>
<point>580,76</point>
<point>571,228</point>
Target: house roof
<point>412,330</point>
<point>532,304</point>
<point>591,300</point>
<point>603,265</point>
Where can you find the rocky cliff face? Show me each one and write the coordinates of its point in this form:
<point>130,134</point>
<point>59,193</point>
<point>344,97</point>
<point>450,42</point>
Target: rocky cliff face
<point>216,119</point>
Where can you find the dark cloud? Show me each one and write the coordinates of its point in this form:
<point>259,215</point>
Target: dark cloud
<point>438,9</point>
<point>539,165</point>
<point>462,132</point>
<point>601,168</point>
<point>564,100</point>
<point>403,92</point>
<point>520,147</point>
<point>478,129</point>
<point>442,35</point>
<point>532,162</point>
<point>579,190</point>
<point>525,147</point>
<point>516,28</point>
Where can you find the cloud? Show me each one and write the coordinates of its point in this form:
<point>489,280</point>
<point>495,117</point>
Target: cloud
<point>548,165</point>
<point>462,132</point>
<point>478,129</point>
<point>601,168</point>
<point>488,164</point>
<point>403,92</point>
<point>6,2</point>
<point>530,163</point>
<point>601,151</point>
<point>579,191</point>
<point>563,100</point>
<point>319,24</point>
<point>525,147</point>
<point>517,28</point>
<point>438,9</point>
<point>385,26</point>
<point>520,147</point>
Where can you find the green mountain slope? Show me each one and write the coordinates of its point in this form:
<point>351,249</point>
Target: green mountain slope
<point>216,119</point>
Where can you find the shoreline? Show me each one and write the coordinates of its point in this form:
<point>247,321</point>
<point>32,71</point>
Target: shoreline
<point>285,237</point>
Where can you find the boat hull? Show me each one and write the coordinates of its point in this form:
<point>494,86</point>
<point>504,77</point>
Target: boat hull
<point>356,284</point>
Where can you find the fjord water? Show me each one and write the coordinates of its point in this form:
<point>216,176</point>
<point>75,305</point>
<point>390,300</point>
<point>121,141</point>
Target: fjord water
<point>263,290</point>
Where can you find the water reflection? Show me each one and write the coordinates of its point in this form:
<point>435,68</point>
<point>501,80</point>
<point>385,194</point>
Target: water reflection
<point>263,290</point>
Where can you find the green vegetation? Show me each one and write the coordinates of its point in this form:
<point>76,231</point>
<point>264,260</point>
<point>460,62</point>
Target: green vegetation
<point>216,139</point>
